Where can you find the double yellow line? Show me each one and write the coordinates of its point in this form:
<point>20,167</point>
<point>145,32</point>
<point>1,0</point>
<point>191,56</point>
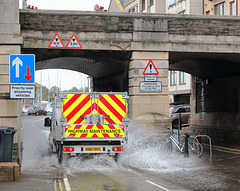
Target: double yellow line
<point>58,182</point>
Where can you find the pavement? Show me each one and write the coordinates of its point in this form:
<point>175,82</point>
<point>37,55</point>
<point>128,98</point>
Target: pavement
<point>231,147</point>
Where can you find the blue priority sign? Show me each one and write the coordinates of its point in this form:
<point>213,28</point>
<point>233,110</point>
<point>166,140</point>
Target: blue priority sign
<point>22,69</point>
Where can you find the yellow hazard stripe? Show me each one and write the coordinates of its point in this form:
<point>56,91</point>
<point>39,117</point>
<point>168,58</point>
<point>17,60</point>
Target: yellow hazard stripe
<point>115,105</point>
<point>108,112</point>
<point>80,113</point>
<point>74,105</point>
<point>71,132</point>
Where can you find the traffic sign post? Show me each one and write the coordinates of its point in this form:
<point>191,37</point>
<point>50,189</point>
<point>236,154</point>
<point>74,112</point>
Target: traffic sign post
<point>150,69</point>
<point>150,78</point>
<point>22,69</point>
<point>22,92</point>
<point>150,87</point>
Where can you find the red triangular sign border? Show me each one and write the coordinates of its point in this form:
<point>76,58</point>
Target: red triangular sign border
<point>50,45</point>
<point>76,40</point>
<point>144,72</point>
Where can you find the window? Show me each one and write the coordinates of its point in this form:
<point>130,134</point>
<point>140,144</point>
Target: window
<point>151,2</point>
<point>143,5</point>
<point>220,9</point>
<point>151,6</point>
<point>182,12</point>
<point>173,78</point>
<point>232,8</point>
<point>182,78</point>
<point>171,2</point>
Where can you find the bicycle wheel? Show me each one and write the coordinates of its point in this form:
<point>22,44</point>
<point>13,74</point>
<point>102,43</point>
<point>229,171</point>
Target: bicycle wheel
<point>196,148</point>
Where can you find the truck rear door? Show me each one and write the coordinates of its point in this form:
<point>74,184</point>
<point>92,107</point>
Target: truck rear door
<point>95,115</point>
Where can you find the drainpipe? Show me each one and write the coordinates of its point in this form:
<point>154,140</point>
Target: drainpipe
<point>236,7</point>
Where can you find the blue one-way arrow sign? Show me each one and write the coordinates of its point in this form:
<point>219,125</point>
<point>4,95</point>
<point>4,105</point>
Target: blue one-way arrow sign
<point>22,68</point>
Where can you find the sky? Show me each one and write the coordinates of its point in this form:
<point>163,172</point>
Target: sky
<point>76,5</point>
<point>65,79</point>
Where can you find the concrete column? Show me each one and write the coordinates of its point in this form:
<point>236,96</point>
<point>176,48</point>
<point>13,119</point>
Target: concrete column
<point>10,43</point>
<point>149,107</point>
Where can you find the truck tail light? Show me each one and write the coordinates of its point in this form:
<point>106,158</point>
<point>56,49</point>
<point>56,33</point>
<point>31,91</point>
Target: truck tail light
<point>68,149</point>
<point>117,149</point>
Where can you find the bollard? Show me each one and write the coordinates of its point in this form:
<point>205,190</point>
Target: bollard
<point>179,122</point>
<point>186,153</point>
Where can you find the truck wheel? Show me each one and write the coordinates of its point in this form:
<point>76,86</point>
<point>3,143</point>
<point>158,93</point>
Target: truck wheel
<point>60,153</point>
<point>116,156</point>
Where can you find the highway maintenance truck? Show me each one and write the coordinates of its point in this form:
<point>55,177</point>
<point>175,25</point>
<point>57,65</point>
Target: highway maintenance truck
<point>88,123</point>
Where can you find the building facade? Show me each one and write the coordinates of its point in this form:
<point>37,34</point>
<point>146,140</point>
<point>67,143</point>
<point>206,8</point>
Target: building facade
<point>221,7</point>
<point>194,7</point>
<point>145,6</point>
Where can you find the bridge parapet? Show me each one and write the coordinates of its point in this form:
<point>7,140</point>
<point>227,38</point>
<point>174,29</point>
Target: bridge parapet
<point>125,31</point>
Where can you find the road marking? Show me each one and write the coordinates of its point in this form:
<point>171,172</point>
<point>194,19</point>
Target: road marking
<point>148,181</point>
<point>135,172</point>
<point>60,185</point>
<point>55,182</point>
<point>66,183</point>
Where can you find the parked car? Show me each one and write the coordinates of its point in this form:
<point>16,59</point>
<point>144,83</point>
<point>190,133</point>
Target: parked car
<point>172,104</point>
<point>34,110</point>
<point>185,111</point>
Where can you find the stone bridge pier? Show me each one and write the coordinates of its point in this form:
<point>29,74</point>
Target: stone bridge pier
<point>149,109</point>
<point>10,43</point>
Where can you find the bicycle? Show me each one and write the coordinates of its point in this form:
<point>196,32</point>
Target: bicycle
<point>193,144</point>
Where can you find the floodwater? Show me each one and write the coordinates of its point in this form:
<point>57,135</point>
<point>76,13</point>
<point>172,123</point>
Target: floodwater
<point>144,151</point>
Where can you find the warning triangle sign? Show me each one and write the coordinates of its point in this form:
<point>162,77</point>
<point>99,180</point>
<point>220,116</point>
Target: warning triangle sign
<point>56,42</point>
<point>150,69</point>
<point>73,43</point>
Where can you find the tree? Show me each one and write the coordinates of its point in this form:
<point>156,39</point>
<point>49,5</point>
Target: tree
<point>74,89</point>
<point>54,91</point>
<point>45,93</point>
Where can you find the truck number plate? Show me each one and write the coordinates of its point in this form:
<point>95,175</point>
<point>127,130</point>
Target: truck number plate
<point>93,149</point>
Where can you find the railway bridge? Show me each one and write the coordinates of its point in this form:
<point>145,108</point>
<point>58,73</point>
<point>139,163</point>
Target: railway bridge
<point>116,48</point>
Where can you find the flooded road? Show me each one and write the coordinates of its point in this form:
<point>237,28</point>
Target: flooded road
<point>146,164</point>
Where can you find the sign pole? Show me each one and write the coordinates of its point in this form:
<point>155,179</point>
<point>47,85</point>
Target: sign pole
<point>19,131</point>
<point>21,71</point>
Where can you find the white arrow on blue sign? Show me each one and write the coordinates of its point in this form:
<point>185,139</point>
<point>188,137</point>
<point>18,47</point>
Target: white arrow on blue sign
<point>22,68</point>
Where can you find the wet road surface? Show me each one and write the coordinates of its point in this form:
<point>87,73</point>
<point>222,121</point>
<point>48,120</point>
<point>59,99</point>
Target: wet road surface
<point>145,165</point>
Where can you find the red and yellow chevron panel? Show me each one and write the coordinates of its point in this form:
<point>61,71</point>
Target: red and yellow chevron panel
<point>77,106</point>
<point>114,106</point>
<point>94,131</point>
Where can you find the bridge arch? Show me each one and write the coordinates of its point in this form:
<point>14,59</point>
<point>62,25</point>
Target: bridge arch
<point>215,93</point>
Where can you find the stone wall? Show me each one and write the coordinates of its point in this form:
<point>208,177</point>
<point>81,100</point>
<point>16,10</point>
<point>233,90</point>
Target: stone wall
<point>10,42</point>
<point>217,104</point>
<point>75,21</point>
<point>124,22</point>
